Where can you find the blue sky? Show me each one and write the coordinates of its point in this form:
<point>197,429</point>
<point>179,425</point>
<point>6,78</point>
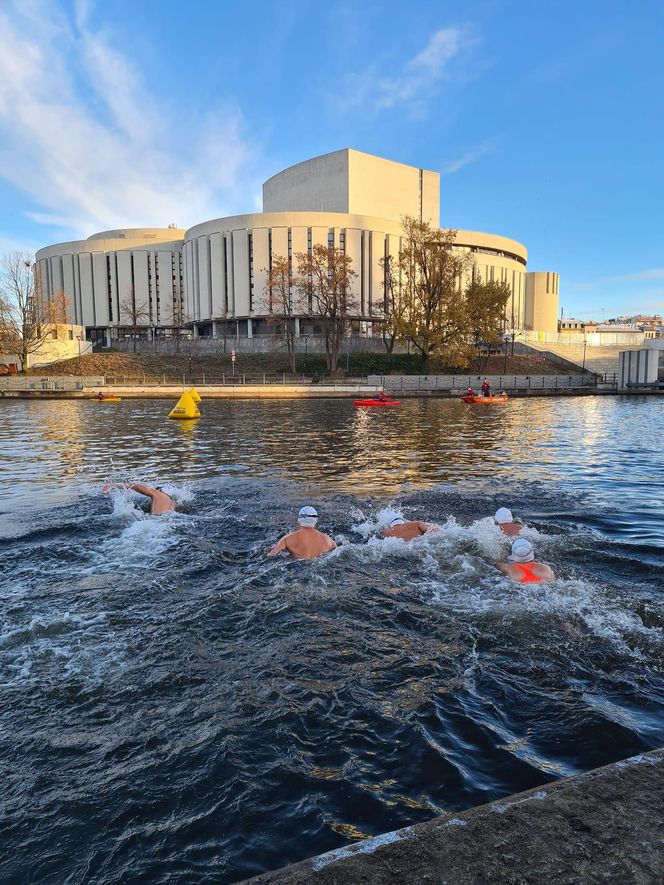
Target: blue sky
<point>546,120</point>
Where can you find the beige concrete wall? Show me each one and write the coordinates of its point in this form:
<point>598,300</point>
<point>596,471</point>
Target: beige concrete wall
<point>316,185</point>
<point>542,297</point>
<point>390,190</point>
<point>357,183</point>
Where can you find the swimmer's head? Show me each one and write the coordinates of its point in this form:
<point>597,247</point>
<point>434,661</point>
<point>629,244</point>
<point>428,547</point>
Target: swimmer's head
<point>522,551</point>
<point>396,520</point>
<point>307,517</point>
<point>503,515</point>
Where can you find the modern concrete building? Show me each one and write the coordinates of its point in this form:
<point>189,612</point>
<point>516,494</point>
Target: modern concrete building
<point>212,276</point>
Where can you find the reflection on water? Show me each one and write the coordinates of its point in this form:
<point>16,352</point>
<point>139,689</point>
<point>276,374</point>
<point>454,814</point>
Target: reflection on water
<point>594,446</point>
<point>177,705</point>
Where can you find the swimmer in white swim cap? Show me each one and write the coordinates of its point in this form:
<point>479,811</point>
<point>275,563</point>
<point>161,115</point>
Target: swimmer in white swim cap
<point>505,522</point>
<point>408,529</point>
<point>305,542</point>
<point>522,566</point>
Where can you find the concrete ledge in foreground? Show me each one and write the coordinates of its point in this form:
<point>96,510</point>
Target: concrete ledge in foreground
<point>606,826</point>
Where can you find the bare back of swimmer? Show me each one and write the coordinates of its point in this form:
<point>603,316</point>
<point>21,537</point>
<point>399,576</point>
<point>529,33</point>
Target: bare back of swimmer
<point>306,542</point>
<point>407,530</point>
<point>160,502</point>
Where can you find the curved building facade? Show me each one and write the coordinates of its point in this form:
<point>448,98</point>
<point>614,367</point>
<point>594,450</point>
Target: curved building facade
<point>212,277</point>
<point>113,274</point>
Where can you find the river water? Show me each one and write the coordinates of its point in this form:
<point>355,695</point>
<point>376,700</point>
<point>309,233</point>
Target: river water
<point>176,707</point>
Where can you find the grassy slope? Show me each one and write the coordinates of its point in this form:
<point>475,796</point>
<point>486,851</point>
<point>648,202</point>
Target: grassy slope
<point>156,366</point>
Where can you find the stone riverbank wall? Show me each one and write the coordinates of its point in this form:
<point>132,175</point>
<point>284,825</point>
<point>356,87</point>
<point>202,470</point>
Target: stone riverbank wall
<point>604,826</point>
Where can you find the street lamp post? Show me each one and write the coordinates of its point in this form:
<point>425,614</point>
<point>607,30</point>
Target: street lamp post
<point>506,341</point>
<point>585,341</point>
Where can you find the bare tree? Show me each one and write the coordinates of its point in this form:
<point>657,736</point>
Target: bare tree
<point>395,303</point>
<point>27,318</point>
<point>137,313</point>
<point>324,278</point>
<point>433,305</point>
<point>282,301</point>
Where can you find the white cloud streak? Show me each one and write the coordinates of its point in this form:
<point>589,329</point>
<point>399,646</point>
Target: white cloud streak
<point>415,82</point>
<point>470,156</point>
<point>82,136</point>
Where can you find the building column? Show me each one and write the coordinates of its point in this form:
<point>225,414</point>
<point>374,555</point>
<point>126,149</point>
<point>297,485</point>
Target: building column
<point>215,329</point>
<point>194,331</point>
<point>107,334</point>
<point>237,330</point>
<point>250,329</point>
<point>297,327</point>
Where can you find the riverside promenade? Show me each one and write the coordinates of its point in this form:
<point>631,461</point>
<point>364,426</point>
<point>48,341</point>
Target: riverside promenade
<point>603,826</point>
<point>404,386</point>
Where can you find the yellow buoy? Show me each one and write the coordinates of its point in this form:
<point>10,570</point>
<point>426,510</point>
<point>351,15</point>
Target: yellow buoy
<point>185,408</point>
<point>194,394</point>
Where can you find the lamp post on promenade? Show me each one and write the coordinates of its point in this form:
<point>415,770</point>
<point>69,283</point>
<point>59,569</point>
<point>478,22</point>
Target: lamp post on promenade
<point>585,341</point>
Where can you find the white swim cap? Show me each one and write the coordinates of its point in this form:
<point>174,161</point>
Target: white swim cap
<point>397,520</point>
<point>522,551</point>
<point>503,515</point>
<point>307,517</point>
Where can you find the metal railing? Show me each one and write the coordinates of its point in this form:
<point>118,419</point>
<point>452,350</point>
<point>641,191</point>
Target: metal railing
<point>497,382</point>
<point>52,382</point>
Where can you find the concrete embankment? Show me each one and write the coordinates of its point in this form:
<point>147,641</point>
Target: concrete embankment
<point>277,391</point>
<point>606,826</point>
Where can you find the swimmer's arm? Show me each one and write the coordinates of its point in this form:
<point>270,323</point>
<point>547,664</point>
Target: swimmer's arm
<point>142,489</point>
<point>504,567</point>
<point>279,546</point>
<point>114,485</point>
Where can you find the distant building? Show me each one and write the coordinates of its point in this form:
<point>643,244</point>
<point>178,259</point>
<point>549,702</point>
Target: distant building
<point>210,278</point>
<point>572,325</point>
<point>61,341</point>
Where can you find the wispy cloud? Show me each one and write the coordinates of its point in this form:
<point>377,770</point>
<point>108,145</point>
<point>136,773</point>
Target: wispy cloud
<point>416,80</point>
<point>84,138</point>
<point>470,156</point>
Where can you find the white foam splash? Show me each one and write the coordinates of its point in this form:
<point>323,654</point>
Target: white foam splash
<point>368,846</point>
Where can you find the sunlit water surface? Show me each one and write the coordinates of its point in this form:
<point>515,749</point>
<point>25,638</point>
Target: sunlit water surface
<point>174,706</point>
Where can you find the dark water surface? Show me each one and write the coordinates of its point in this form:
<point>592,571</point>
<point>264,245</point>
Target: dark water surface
<point>176,707</point>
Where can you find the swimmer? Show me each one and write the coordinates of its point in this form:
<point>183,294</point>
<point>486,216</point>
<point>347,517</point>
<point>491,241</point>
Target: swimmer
<point>160,502</point>
<point>408,529</point>
<point>306,542</point>
<point>505,522</point>
<point>522,566</point>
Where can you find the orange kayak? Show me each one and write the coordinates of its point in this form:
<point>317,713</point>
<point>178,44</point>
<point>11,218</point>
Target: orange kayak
<point>484,399</point>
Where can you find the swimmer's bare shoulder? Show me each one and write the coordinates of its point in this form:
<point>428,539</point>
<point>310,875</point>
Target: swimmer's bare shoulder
<point>281,545</point>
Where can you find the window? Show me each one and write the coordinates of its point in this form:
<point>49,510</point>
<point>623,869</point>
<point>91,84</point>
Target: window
<point>250,238</point>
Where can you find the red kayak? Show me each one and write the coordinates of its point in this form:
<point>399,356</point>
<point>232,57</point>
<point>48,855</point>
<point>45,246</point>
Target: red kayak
<point>376,402</point>
<point>484,399</point>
